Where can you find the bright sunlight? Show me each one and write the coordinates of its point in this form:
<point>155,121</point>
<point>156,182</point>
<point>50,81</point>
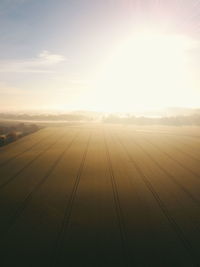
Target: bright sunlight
<point>148,70</point>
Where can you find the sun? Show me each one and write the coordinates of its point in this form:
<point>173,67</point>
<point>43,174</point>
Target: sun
<point>147,70</point>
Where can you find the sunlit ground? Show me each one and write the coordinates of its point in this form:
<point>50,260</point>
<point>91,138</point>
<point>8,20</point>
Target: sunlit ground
<point>101,195</point>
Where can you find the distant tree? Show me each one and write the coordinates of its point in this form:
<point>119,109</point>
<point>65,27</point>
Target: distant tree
<point>33,127</point>
<point>12,136</point>
<point>20,126</point>
<point>3,140</point>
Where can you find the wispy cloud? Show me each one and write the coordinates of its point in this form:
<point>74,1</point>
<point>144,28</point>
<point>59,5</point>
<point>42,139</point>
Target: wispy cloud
<point>46,58</point>
<point>41,64</point>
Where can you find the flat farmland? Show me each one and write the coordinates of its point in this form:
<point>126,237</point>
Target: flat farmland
<point>101,195</point>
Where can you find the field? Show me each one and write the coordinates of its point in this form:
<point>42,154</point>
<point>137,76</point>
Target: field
<point>101,195</point>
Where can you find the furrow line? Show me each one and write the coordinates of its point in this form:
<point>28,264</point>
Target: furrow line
<point>26,150</point>
<point>28,198</point>
<point>180,234</point>
<point>118,208</point>
<point>180,150</point>
<point>183,188</point>
<point>29,163</point>
<point>173,159</point>
<point>184,143</point>
<point>174,134</point>
<point>69,207</point>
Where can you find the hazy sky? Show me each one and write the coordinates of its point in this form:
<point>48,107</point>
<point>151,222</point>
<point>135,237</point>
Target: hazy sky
<point>86,54</point>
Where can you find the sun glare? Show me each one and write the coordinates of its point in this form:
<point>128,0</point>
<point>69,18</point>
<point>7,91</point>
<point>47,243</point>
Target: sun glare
<point>148,70</point>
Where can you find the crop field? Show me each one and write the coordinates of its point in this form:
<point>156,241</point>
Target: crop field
<point>101,195</point>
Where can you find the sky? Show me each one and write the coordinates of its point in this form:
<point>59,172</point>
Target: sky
<point>108,55</point>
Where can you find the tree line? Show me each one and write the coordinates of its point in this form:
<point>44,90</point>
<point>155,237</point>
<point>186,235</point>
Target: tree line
<point>12,132</point>
<point>175,120</point>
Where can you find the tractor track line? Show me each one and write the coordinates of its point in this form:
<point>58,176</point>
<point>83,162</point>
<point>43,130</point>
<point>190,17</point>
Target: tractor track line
<point>28,198</point>
<point>189,145</point>
<point>164,209</point>
<point>24,151</point>
<point>180,150</point>
<point>173,159</point>
<point>173,134</point>
<point>184,152</point>
<point>28,164</point>
<point>168,174</point>
<point>118,208</point>
<point>69,207</point>
<point>19,141</point>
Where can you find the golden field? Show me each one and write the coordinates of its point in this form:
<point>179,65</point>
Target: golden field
<point>101,195</point>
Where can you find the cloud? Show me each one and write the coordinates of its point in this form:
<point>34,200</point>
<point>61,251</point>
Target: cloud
<point>46,58</point>
<point>43,63</point>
